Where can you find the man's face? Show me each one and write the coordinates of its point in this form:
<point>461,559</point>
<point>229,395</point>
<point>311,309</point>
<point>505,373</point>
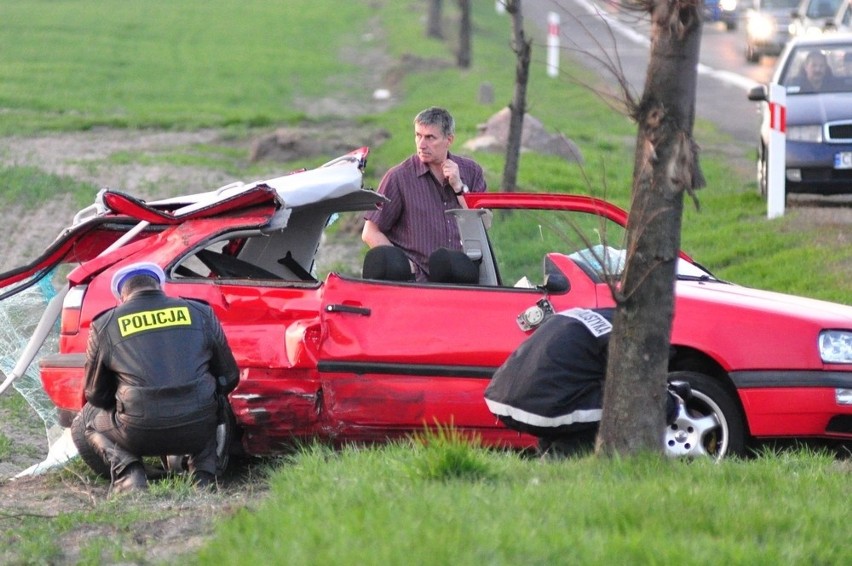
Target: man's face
<point>815,68</point>
<point>432,145</point>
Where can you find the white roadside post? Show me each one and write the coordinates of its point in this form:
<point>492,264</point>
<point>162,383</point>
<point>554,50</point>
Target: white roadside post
<point>552,44</point>
<point>777,151</point>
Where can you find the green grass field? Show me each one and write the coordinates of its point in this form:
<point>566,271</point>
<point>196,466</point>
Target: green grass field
<point>413,504</point>
<point>79,64</point>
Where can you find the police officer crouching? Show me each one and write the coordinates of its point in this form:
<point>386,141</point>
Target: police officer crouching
<point>551,386</point>
<point>155,366</point>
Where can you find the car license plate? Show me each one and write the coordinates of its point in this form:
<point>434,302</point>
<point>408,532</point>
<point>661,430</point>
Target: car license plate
<point>843,160</point>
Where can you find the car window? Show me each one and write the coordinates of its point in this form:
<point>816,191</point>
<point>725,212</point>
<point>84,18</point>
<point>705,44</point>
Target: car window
<point>838,76</point>
<point>521,238</point>
<point>340,248</point>
<point>822,8</point>
<point>307,250</point>
<point>778,4</point>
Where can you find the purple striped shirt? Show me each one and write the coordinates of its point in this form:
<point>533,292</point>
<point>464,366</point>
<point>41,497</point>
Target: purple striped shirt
<point>414,218</point>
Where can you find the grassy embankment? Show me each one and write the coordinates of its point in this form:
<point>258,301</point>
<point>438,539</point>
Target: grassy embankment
<point>240,66</point>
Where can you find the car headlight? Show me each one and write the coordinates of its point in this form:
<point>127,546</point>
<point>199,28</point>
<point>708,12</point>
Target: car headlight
<point>728,5</point>
<point>805,133</point>
<point>761,26</point>
<point>835,346</point>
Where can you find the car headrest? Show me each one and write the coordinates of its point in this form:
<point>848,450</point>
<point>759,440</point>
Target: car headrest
<point>452,266</point>
<point>388,263</point>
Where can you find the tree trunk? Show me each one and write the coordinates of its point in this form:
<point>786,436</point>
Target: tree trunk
<point>666,165</point>
<point>433,20</point>
<point>522,49</point>
<point>464,55</point>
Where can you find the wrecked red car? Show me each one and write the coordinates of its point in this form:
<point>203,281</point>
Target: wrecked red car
<point>327,354</point>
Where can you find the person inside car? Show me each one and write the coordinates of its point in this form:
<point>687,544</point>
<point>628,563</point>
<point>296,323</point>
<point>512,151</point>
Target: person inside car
<point>156,367</point>
<point>420,190</point>
<point>814,75</point>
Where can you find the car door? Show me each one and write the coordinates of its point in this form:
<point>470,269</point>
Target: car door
<point>395,357</point>
<point>398,356</point>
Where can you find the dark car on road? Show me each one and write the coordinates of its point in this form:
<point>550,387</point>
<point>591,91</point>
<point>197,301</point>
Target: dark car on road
<point>818,121</point>
<point>724,11</point>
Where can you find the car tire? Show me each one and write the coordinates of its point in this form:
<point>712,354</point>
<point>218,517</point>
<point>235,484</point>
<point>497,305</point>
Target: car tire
<point>711,422</point>
<point>87,452</point>
<point>752,54</point>
<point>225,434</point>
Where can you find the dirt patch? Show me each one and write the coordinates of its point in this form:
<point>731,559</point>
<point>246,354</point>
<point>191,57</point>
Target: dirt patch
<point>163,527</point>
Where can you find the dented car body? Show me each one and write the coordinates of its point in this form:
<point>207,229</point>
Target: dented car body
<point>326,354</point>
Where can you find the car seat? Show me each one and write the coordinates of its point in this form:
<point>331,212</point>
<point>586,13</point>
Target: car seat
<point>452,266</point>
<point>388,263</point>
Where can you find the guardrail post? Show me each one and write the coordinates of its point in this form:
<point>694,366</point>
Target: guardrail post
<point>552,44</point>
<point>777,152</point>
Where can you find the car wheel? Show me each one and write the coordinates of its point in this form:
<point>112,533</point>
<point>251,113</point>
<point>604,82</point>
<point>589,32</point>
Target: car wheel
<point>87,452</point>
<point>177,464</point>
<point>224,438</point>
<point>752,55</point>
<point>709,424</point>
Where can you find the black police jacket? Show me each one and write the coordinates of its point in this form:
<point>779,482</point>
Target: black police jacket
<point>553,382</point>
<point>158,360</point>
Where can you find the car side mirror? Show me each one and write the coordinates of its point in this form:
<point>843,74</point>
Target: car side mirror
<point>556,283</point>
<point>758,93</point>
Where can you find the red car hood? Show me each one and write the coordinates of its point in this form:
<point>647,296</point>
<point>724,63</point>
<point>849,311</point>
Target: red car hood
<point>831,315</point>
<point>748,329</point>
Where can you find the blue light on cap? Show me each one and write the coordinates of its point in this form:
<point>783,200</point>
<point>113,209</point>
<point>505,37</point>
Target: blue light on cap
<point>121,276</point>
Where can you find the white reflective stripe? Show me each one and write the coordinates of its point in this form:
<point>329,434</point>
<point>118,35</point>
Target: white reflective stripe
<point>595,322</point>
<point>579,416</point>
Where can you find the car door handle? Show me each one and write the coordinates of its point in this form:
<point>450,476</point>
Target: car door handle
<point>348,308</point>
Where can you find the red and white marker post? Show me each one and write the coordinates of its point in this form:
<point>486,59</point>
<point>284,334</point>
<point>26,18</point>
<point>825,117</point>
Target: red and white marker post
<point>777,151</point>
<point>552,44</point>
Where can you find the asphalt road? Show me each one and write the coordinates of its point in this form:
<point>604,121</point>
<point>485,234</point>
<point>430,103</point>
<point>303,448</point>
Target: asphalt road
<point>592,29</point>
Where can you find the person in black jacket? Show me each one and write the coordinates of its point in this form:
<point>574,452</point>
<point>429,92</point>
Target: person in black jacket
<point>551,386</point>
<point>155,367</point>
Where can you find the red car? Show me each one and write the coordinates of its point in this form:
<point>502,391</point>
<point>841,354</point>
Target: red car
<point>326,354</point>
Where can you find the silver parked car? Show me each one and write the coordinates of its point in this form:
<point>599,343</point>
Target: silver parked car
<point>817,74</point>
<point>813,17</point>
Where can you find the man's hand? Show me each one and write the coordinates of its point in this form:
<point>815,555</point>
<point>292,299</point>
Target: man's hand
<point>451,173</point>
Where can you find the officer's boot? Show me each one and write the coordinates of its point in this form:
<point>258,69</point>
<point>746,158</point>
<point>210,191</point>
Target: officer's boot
<point>132,478</point>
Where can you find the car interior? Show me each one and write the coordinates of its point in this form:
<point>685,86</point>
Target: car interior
<point>502,247</point>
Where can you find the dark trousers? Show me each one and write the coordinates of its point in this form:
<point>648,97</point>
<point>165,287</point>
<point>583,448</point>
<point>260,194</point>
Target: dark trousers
<point>120,444</point>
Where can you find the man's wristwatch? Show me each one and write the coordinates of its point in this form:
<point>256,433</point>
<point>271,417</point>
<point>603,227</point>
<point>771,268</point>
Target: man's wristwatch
<point>463,190</point>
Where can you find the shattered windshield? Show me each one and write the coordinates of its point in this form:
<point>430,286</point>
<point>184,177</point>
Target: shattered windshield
<point>20,315</point>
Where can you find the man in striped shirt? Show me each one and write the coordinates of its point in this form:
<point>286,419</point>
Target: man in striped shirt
<point>420,190</point>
